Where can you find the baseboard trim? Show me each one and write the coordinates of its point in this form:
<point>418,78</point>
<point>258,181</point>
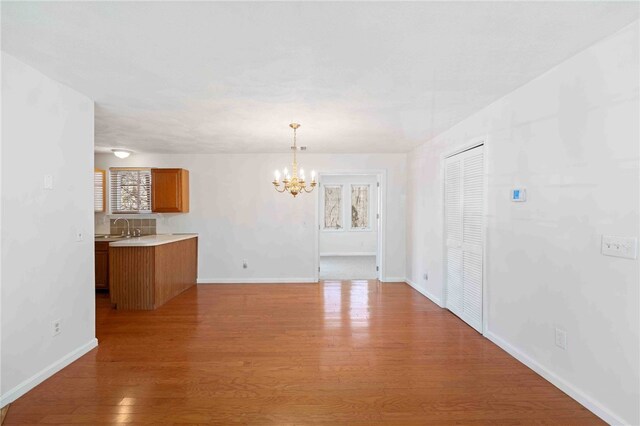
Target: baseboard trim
<point>392,280</point>
<point>47,372</point>
<point>425,293</point>
<point>589,403</point>
<point>256,280</point>
<point>355,253</point>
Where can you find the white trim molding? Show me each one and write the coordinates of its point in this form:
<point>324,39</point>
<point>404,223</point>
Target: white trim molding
<point>44,374</point>
<point>392,280</point>
<point>354,253</point>
<point>381,209</point>
<point>588,402</point>
<point>425,293</point>
<point>257,280</point>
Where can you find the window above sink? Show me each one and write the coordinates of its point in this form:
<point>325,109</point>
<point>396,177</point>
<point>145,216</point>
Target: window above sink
<point>130,190</point>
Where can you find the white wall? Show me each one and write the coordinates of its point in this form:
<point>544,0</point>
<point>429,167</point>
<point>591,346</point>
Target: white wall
<point>239,215</point>
<point>571,138</point>
<point>47,129</point>
<point>345,240</point>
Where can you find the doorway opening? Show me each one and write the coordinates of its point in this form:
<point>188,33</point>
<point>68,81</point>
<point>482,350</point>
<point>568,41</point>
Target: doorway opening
<point>349,226</point>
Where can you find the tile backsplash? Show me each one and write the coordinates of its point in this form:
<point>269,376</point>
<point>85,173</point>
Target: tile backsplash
<point>146,226</point>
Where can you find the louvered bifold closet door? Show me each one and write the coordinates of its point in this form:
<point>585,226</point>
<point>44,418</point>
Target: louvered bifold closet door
<point>453,238</point>
<point>464,213</point>
<point>472,225</point>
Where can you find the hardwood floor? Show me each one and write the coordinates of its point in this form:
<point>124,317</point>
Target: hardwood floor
<point>337,353</point>
<point>3,413</point>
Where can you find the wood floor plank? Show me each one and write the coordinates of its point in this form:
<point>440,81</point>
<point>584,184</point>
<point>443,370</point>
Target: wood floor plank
<point>353,352</point>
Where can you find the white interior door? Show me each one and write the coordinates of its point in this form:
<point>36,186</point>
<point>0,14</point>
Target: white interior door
<point>464,205</point>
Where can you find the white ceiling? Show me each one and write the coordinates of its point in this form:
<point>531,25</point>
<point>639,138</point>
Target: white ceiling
<point>180,77</point>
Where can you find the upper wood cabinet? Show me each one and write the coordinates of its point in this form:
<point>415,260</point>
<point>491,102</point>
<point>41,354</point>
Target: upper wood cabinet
<point>170,190</point>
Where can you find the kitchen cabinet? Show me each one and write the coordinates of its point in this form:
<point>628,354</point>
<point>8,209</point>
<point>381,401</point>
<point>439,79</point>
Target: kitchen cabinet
<point>170,190</point>
<point>149,271</point>
<point>102,265</point>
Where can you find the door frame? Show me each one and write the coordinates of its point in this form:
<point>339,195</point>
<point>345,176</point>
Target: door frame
<point>381,179</point>
<point>474,143</point>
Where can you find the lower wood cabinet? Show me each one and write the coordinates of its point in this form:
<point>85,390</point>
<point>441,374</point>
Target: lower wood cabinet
<point>102,265</point>
<point>146,277</point>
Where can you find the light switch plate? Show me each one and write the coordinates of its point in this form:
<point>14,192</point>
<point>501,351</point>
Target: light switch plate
<point>625,247</point>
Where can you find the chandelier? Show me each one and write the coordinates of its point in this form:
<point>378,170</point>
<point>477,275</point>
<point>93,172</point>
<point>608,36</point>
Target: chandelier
<point>294,184</point>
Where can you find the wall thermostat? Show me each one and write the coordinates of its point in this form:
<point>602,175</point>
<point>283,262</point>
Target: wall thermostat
<point>518,195</point>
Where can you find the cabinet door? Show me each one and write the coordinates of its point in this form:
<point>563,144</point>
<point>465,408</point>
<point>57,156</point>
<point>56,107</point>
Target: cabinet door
<point>170,189</point>
<point>102,269</point>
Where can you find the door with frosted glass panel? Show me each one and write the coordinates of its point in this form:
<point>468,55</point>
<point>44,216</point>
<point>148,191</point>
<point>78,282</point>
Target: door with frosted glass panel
<point>464,236</point>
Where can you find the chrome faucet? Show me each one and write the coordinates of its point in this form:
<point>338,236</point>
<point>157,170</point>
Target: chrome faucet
<point>126,220</point>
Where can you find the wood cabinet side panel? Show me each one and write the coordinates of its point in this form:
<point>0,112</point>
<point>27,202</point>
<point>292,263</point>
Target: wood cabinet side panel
<point>184,191</point>
<point>131,276</point>
<point>175,269</point>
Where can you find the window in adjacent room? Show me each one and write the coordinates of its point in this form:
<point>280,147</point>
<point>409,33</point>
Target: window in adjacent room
<point>130,190</point>
<point>99,190</point>
<point>359,206</point>
<point>333,207</point>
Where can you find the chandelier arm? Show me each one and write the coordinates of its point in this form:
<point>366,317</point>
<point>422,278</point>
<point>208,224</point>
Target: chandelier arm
<point>294,184</point>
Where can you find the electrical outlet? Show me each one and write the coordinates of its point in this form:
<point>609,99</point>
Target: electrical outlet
<point>561,338</point>
<point>425,276</point>
<point>79,235</point>
<point>244,264</point>
<point>56,327</point>
<point>625,247</point>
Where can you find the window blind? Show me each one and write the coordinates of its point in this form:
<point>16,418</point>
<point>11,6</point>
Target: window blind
<point>130,190</point>
<point>99,189</point>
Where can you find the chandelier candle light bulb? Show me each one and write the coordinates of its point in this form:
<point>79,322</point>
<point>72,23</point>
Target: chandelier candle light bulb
<point>293,184</point>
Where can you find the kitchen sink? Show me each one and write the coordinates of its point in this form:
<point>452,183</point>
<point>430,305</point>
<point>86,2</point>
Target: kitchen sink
<point>110,236</point>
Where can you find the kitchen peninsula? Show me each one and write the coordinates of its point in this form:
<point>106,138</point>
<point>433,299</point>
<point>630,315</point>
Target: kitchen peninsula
<point>146,272</point>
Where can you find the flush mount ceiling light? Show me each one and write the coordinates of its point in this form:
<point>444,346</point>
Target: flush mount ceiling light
<point>294,184</point>
<point>121,153</point>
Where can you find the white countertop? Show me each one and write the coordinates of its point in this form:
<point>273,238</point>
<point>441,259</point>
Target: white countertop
<point>107,238</point>
<point>151,240</point>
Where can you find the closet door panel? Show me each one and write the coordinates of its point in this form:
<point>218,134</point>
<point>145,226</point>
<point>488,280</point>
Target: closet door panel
<point>464,235</point>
